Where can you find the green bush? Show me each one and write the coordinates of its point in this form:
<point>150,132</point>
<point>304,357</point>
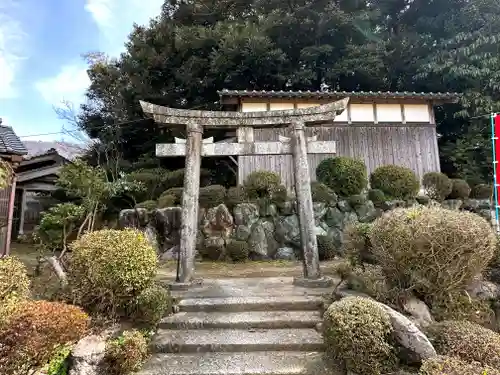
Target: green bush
<point>280,195</point>
<point>14,286</point>
<point>357,200</point>
<point>326,248</point>
<point>430,249</point>
<point>235,196</point>
<point>213,252</point>
<point>147,205</point>
<point>437,185</point>
<point>237,251</point>
<point>345,176</point>
<point>212,196</point>
<point>149,307</point>
<point>175,192</point>
<point>482,191</point>
<point>459,306</point>
<point>377,197</point>
<point>166,201</point>
<point>444,365</point>
<point>322,193</point>
<point>467,341</point>
<point>126,354</point>
<point>358,333</point>
<point>262,184</point>
<point>356,243</point>
<point>109,268</point>
<point>395,181</point>
<point>460,189</point>
<point>59,363</point>
<point>370,279</point>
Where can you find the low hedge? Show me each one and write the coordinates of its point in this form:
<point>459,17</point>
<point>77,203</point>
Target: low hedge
<point>395,181</point>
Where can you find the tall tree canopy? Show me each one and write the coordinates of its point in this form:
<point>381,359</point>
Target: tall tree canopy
<point>196,47</point>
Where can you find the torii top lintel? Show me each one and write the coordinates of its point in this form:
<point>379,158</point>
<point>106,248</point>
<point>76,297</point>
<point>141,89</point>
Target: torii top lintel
<point>319,115</point>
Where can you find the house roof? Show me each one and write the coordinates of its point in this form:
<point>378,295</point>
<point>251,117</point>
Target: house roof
<point>447,96</point>
<point>68,151</point>
<point>10,142</point>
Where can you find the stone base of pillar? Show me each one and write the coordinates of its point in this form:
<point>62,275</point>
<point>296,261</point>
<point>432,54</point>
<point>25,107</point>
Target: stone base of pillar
<point>324,282</point>
<point>180,286</point>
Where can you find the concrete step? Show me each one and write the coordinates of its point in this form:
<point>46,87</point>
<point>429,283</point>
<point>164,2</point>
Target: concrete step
<point>239,304</point>
<point>242,320</point>
<point>236,340</point>
<point>253,363</point>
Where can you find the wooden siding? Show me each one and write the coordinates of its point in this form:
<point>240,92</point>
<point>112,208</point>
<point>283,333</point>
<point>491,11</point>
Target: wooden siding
<point>412,146</point>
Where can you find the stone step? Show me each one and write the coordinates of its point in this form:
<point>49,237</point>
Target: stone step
<point>253,363</point>
<point>242,320</point>
<point>240,304</point>
<point>236,340</point>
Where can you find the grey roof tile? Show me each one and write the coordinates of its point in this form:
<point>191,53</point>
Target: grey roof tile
<point>10,142</point>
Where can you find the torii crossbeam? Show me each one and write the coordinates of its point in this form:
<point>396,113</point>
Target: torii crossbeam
<point>298,146</point>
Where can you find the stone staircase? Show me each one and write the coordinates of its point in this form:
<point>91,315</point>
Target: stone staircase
<point>241,327</point>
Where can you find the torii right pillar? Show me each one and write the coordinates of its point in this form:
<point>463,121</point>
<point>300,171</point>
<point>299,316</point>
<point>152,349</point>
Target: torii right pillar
<point>312,273</point>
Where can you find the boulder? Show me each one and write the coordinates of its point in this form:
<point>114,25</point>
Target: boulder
<point>87,355</point>
<point>391,205</point>
<point>419,311</point>
<point>452,204</point>
<point>344,206</point>
<point>366,212</point>
<point>133,218</point>
<point>242,233</point>
<point>287,208</point>
<point>349,218</point>
<point>245,214</point>
<point>267,209</point>
<point>334,217</point>
<point>484,289</point>
<point>337,236</point>
<point>152,237</point>
<point>288,230</point>
<point>170,254</point>
<point>285,253</point>
<point>261,241</point>
<point>319,210</point>
<point>169,219</point>
<point>218,222</point>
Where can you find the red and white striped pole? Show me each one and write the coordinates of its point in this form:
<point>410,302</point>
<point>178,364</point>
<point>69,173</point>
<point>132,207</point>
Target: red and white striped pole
<point>495,131</point>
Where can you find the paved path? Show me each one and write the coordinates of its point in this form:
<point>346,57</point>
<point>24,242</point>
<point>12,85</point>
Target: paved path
<point>252,326</point>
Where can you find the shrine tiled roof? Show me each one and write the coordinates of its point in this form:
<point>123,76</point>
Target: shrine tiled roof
<point>441,96</point>
<point>10,143</point>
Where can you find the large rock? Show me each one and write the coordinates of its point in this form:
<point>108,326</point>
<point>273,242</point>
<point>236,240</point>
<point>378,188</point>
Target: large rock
<point>152,237</point>
<point>262,244</point>
<point>484,289</point>
<point>133,218</point>
<point>366,212</point>
<point>452,204</point>
<point>419,311</point>
<point>287,208</point>
<point>285,253</point>
<point>344,206</point>
<point>242,232</point>
<point>288,230</point>
<point>245,214</point>
<point>218,222</point>
<point>168,219</point>
<point>349,218</point>
<point>334,217</point>
<point>319,210</point>
<point>337,236</point>
<point>87,355</point>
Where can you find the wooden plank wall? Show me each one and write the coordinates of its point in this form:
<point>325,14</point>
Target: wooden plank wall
<point>413,146</point>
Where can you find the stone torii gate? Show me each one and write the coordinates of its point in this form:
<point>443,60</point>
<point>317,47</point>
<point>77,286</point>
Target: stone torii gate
<point>245,122</point>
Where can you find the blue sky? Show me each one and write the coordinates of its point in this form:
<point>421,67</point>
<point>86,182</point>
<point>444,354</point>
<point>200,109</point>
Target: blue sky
<point>41,43</point>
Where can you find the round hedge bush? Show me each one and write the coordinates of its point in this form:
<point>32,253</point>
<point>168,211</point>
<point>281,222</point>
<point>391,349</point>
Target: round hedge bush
<point>437,185</point>
<point>125,354</point>
<point>377,197</point>
<point>460,189</point>
<point>235,195</point>
<point>356,243</point>
<point>149,307</point>
<point>212,196</point>
<point>395,181</point>
<point>262,184</point>
<point>175,192</point>
<point>109,267</point>
<point>14,280</point>
<point>147,205</point>
<point>166,201</point>
<point>433,250</point>
<point>358,333</point>
<point>481,191</point>
<point>445,365</point>
<point>326,248</point>
<point>466,340</point>
<point>237,251</point>
<point>345,176</point>
<point>322,193</point>
<point>34,333</point>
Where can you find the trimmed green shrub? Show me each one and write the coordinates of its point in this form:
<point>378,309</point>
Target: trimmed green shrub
<point>322,193</point>
<point>212,196</point>
<point>377,197</point>
<point>466,340</point>
<point>423,199</point>
<point>175,192</point>
<point>262,184</point>
<point>147,205</point>
<point>326,248</point>
<point>213,252</point>
<point>237,251</point>
<point>459,306</point>
<point>235,196</point>
<point>345,176</point>
<point>125,354</point>
<point>357,200</point>
<point>59,363</point>
<point>149,307</point>
<point>14,280</point>
<point>356,243</point>
<point>437,185</point>
<point>395,181</point>
<point>358,334</point>
<point>445,365</point>
<point>109,268</point>
<point>369,279</point>
<point>167,200</point>
<point>482,191</point>
<point>460,189</point>
<point>280,195</point>
<point>432,250</point>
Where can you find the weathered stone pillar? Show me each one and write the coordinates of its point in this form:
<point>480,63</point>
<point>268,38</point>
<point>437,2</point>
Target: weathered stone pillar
<point>305,205</point>
<point>23,210</point>
<point>190,195</point>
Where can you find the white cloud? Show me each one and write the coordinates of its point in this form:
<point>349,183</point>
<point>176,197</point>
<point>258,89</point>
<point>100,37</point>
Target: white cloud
<point>11,49</point>
<point>69,85</point>
<point>114,19</point>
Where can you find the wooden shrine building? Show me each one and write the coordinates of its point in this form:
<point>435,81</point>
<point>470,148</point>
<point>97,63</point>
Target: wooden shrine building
<point>378,127</point>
